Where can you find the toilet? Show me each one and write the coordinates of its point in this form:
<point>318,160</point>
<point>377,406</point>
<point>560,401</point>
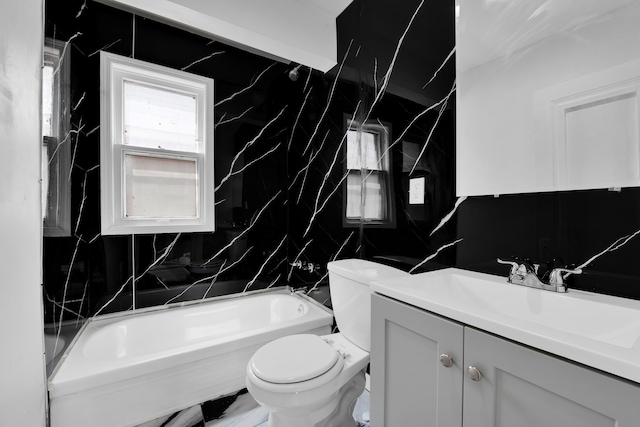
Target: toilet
<point>308,380</point>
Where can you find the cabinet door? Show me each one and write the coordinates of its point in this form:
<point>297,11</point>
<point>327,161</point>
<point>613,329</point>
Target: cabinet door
<point>409,384</point>
<point>522,387</point>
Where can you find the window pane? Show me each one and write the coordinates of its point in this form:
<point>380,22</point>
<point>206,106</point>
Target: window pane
<point>159,118</point>
<point>370,143</point>
<point>353,195</point>
<point>373,197</point>
<point>373,202</point>
<point>47,100</point>
<point>158,187</point>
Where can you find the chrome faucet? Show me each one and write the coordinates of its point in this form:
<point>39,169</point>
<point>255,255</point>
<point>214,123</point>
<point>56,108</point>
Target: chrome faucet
<point>526,274</point>
<point>305,266</point>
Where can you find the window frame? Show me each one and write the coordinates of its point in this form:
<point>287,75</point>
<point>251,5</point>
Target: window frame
<point>383,130</point>
<point>56,151</point>
<point>114,71</point>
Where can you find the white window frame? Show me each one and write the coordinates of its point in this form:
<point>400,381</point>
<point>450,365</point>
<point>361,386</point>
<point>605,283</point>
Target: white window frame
<point>56,152</point>
<point>114,71</point>
<point>383,132</point>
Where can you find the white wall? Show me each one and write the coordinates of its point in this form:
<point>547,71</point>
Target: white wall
<point>22,386</point>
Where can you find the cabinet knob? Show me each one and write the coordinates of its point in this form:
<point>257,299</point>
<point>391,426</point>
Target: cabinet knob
<point>474,373</point>
<point>446,360</point>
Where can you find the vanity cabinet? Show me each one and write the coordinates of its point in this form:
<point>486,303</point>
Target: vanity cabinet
<point>407,378</point>
<point>491,381</point>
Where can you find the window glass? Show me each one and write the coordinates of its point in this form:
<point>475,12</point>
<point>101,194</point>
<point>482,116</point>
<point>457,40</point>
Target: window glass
<point>366,154</point>
<point>158,187</point>
<point>372,200</point>
<point>159,118</point>
<point>47,100</point>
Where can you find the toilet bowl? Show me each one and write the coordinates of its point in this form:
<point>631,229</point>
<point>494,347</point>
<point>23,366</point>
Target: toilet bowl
<point>302,379</point>
<point>313,381</point>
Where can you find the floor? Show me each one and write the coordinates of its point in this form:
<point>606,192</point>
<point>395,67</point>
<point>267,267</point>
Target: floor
<point>239,410</point>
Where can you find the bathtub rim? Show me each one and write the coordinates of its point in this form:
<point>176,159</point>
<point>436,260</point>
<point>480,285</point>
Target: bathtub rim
<point>286,290</point>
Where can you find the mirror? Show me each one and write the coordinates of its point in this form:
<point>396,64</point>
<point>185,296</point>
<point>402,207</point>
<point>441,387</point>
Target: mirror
<point>547,95</point>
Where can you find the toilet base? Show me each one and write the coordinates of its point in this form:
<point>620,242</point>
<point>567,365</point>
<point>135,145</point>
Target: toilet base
<point>341,415</point>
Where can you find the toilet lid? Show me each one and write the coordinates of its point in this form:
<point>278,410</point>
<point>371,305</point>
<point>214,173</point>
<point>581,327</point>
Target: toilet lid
<point>293,359</point>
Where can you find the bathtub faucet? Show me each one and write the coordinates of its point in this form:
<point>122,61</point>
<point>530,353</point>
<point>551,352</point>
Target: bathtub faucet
<point>306,266</point>
<point>525,273</point>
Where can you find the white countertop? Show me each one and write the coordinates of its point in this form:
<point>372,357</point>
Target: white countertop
<point>596,330</point>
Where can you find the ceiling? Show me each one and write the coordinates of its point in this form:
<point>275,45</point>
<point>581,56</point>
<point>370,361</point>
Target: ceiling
<point>491,29</point>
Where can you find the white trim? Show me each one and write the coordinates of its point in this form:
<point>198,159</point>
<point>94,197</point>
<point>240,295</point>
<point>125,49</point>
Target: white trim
<point>114,70</point>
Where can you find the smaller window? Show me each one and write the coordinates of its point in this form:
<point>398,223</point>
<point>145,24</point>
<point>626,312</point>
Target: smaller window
<point>369,194</point>
<point>156,148</point>
<point>56,141</point>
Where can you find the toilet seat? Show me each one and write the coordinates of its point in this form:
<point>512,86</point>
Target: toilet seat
<point>295,359</point>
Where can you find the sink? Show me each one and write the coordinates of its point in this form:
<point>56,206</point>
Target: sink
<point>597,330</point>
<point>573,312</point>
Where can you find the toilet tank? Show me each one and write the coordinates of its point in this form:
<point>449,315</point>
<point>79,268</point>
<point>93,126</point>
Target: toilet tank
<point>349,281</point>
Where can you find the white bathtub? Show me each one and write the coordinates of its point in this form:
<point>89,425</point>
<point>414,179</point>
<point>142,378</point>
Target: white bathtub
<point>123,370</point>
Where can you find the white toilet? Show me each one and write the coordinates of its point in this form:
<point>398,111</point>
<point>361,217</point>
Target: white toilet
<point>307,380</point>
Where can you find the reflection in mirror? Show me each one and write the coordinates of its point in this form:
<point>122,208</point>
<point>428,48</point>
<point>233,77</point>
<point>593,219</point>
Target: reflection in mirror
<point>547,95</point>
<point>56,140</point>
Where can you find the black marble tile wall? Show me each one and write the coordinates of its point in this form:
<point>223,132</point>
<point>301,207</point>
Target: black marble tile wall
<point>597,227</point>
<point>282,199</point>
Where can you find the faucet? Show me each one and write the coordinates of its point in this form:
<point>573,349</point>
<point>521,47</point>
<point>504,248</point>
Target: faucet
<point>305,266</point>
<point>525,273</point>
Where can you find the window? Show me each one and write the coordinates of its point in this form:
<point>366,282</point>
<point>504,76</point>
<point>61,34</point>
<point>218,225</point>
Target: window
<point>55,159</point>
<point>368,186</point>
<point>156,147</point>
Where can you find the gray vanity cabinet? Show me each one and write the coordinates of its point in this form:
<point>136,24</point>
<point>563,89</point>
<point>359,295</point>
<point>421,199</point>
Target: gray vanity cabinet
<point>524,387</point>
<point>407,378</point>
<point>513,385</point>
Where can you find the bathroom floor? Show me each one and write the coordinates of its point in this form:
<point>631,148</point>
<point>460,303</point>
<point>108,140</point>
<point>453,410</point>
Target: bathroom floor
<point>238,410</point>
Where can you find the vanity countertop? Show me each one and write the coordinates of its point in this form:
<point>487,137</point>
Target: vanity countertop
<point>596,330</point>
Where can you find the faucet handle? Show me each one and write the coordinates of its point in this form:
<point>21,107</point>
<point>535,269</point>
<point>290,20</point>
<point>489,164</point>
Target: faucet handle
<point>511,261</point>
<point>556,277</point>
<point>514,265</point>
<point>524,265</point>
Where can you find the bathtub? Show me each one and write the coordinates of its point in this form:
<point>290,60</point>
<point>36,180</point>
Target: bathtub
<point>126,369</point>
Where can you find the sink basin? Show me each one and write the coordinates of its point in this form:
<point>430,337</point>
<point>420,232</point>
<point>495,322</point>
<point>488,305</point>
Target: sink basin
<point>597,330</point>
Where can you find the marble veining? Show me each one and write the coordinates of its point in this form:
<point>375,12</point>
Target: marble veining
<point>281,178</point>
<point>239,410</point>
